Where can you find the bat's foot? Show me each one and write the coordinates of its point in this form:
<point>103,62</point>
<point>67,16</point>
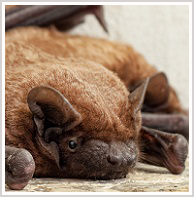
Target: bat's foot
<point>164,149</point>
<point>176,154</point>
<point>19,167</point>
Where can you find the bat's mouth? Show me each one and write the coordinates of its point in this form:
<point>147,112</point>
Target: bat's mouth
<point>101,170</point>
<point>119,174</point>
<point>102,175</point>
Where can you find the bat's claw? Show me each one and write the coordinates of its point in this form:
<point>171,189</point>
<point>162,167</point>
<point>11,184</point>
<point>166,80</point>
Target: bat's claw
<point>98,11</point>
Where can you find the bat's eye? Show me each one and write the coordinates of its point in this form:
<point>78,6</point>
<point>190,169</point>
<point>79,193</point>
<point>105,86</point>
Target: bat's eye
<point>72,144</point>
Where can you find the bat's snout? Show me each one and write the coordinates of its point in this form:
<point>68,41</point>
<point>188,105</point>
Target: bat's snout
<point>104,160</point>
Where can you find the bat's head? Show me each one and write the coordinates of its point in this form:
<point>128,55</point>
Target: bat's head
<point>86,144</point>
<point>98,159</point>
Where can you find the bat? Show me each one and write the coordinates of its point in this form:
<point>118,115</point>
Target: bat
<point>80,107</point>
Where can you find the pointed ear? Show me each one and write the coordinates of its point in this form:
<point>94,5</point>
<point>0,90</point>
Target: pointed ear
<point>157,92</point>
<point>51,109</point>
<point>136,97</point>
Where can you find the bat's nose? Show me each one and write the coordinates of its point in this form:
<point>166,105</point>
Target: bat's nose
<point>114,160</point>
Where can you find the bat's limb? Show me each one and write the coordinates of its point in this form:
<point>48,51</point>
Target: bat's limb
<point>78,18</point>
<point>171,123</point>
<point>19,167</point>
<point>64,17</point>
<point>163,149</point>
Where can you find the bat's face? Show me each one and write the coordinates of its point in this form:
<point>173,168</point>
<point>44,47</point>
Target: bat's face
<point>98,142</point>
<point>84,157</point>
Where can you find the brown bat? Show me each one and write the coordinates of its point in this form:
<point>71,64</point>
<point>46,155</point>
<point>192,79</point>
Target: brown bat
<point>73,109</point>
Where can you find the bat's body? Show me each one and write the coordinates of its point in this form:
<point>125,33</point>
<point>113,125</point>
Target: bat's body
<point>63,90</point>
<point>122,59</point>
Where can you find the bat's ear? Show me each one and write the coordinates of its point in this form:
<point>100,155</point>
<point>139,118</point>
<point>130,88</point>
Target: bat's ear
<point>157,92</point>
<point>136,97</point>
<point>51,109</point>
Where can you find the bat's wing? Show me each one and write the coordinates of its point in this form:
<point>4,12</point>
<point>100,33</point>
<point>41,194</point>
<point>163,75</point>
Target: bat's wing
<point>63,17</point>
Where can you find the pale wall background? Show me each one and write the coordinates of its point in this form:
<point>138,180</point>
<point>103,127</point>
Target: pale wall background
<point>160,33</point>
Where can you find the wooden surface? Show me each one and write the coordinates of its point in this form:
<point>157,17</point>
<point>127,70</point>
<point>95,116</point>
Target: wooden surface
<point>146,178</point>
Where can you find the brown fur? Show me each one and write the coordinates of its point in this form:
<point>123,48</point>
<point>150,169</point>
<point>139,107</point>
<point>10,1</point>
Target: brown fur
<point>7,7</point>
<point>119,58</point>
<point>74,65</point>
